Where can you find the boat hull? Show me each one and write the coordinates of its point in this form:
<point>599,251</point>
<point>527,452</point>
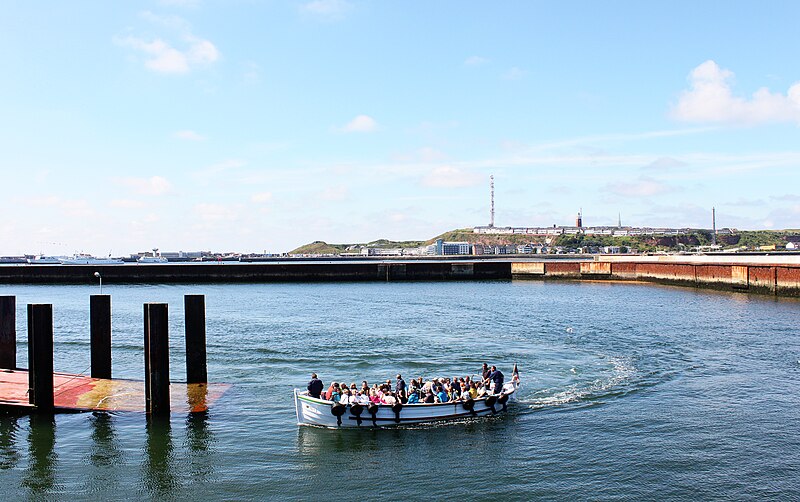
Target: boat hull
<point>317,412</point>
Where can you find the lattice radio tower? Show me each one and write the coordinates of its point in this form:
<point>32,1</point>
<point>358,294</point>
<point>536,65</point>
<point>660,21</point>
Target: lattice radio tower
<point>491,192</point>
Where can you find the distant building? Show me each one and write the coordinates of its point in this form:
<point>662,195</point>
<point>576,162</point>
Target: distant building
<point>456,248</point>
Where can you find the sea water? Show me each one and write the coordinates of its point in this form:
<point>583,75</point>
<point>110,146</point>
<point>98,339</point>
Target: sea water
<point>629,392</point>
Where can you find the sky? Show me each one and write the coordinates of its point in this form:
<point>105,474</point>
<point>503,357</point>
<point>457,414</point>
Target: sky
<point>259,126</point>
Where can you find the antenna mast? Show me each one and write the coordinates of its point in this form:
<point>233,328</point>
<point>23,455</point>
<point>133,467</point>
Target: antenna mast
<point>713,226</point>
<point>491,191</point>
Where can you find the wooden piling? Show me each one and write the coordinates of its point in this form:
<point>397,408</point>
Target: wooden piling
<point>195,311</point>
<point>156,359</point>
<point>40,356</point>
<point>8,332</point>
<point>100,316</point>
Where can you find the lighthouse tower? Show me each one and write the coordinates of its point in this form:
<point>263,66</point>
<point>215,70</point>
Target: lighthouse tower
<point>579,220</point>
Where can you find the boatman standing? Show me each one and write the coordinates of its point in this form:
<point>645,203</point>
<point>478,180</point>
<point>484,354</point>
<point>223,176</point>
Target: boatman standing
<point>497,377</point>
<point>315,386</point>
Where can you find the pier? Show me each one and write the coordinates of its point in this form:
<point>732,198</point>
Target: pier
<point>40,389</point>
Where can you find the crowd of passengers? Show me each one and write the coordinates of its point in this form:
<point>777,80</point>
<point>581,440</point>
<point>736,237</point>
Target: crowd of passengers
<point>419,391</point>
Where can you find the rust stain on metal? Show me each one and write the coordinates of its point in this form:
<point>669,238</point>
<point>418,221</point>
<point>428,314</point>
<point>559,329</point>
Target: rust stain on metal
<point>740,275</point>
<point>788,278</point>
<point>532,268</point>
<point>563,269</point>
<point>762,277</point>
<point>596,268</point>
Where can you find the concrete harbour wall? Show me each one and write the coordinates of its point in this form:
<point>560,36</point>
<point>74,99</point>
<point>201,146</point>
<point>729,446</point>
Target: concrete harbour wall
<point>777,279</point>
<point>780,279</point>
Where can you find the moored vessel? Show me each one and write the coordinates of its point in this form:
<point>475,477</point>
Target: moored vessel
<point>85,259</point>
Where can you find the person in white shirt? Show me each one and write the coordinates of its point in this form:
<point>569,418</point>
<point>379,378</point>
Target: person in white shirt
<point>347,397</point>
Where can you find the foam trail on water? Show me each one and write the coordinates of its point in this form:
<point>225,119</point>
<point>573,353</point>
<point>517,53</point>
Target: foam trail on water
<point>622,370</point>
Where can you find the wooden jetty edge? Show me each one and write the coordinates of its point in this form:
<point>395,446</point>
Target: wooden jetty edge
<point>39,389</point>
<point>75,393</point>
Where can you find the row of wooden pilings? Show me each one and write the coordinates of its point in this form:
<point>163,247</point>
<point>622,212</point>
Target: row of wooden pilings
<point>156,347</point>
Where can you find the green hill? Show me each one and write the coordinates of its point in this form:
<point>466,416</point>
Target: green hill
<point>750,238</point>
<point>319,247</point>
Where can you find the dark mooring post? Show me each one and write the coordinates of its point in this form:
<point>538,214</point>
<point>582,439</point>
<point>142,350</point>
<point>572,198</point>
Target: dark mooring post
<point>40,356</point>
<point>156,359</point>
<point>195,308</point>
<point>100,314</point>
<point>8,332</point>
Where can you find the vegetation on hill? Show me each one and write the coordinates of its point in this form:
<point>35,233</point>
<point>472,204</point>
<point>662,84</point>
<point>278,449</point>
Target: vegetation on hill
<point>319,247</point>
<point>752,239</point>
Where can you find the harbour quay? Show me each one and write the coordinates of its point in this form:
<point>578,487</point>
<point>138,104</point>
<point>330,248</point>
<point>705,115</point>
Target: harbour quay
<point>777,275</point>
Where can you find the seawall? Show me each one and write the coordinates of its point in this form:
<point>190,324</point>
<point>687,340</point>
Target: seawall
<point>779,279</point>
<point>762,277</point>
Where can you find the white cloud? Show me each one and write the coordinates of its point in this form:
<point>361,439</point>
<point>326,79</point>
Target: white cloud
<point>155,185</point>
<point>189,135</point>
<point>361,123</point>
<point>711,99</point>
<point>261,198</point>
<point>643,187</point>
<point>326,9</point>
<point>451,177</point>
<point>475,61</point>
<point>163,56</point>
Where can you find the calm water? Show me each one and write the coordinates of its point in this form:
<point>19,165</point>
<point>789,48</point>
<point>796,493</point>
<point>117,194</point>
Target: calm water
<point>630,392</point>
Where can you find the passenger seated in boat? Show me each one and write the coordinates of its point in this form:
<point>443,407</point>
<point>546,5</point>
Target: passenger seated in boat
<point>373,395</point>
<point>362,399</point>
<point>347,397</point>
<point>481,389</point>
<point>412,387</point>
<point>389,399</point>
<point>336,395</point>
<point>452,393</point>
<point>465,395</point>
<point>365,388</point>
<point>329,393</point>
<point>429,397</point>
<point>473,390</point>
<point>413,398</point>
<point>441,396</point>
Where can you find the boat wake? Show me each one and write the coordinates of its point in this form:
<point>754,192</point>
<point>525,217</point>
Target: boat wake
<point>617,383</point>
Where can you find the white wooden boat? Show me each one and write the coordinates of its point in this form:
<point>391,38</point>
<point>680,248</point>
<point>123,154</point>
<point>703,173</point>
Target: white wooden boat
<point>320,412</point>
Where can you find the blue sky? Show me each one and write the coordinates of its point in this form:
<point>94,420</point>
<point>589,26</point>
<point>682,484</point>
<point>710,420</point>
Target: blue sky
<point>253,126</point>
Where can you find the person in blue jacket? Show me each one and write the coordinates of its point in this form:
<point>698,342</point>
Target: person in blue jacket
<point>497,377</point>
